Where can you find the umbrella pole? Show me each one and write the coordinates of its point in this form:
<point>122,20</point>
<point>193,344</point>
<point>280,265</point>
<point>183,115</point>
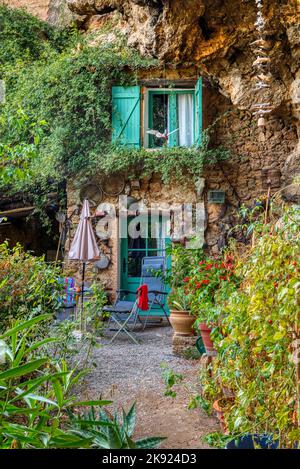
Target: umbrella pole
<point>82,295</point>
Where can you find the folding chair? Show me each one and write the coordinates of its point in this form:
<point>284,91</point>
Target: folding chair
<point>67,300</point>
<point>123,313</point>
<point>157,294</point>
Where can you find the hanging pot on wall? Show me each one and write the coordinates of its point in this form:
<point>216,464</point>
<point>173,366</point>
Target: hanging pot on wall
<point>92,192</point>
<point>103,262</point>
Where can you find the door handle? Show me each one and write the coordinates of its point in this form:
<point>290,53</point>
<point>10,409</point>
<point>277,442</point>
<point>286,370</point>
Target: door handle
<point>124,265</point>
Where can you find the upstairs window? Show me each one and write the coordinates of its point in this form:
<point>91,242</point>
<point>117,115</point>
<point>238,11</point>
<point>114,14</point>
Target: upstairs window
<point>165,117</point>
<point>170,112</point>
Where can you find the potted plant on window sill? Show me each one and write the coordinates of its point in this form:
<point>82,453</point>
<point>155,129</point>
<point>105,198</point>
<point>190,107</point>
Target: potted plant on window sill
<point>181,318</point>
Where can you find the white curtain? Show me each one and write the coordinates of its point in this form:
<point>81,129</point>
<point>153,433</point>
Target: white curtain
<point>185,119</point>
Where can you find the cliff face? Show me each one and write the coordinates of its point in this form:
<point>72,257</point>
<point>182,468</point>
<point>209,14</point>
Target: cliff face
<point>214,35</point>
<point>35,7</point>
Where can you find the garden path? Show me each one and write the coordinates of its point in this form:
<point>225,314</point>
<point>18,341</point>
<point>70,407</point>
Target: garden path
<point>126,373</point>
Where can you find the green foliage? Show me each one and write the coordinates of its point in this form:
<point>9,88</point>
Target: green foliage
<point>93,308</point>
<point>19,154</point>
<point>217,439</point>
<point>106,431</point>
<point>35,393</point>
<point>69,88</point>
<point>258,351</point>
<point>179,299</point>
<point>171,379</point>
<point>24,38</point>
<point>28,286</point>
<point>183,262</point>
<point>191,353</point>
<point>61,86</point>
<point>210,282</point>
<point>37,407</point>
<point>176,163</point>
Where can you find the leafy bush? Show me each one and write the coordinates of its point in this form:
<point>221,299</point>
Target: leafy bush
<point>212,280</point>
<point>171,379</point>
<point>184,261</point>
<point>24,38</point>
<point>258,354</point>
<point>37,407</point>
<point>28,286</point>
<point>19,153</point>
<point>63,80</point>
<point>106,431</point>
<point>67,86</point>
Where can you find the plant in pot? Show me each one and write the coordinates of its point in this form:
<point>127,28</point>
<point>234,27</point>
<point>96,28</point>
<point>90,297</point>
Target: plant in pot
<point>181,319</point>
<point>209,285</point>
<point>184,262</point>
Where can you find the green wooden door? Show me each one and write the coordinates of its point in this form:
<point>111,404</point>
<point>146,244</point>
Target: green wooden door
<point>151,242</point>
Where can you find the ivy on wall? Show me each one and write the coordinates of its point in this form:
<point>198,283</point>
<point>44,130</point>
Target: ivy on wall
<point>63,79</point>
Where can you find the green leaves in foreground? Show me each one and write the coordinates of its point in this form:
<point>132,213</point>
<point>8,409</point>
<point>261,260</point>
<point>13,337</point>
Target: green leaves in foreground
<point>107,432</point>
<point>37,409</point>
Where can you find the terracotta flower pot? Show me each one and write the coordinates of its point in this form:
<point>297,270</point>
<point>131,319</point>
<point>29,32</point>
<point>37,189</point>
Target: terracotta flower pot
<point>205,334</point>
<point>219,406</point>
<point>182,322</point>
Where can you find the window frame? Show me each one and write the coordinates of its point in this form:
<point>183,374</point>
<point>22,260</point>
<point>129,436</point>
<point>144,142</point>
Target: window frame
<point>148,112</point>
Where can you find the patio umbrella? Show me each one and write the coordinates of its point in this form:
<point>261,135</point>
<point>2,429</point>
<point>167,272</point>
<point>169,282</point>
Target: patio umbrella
<point>84,246</point>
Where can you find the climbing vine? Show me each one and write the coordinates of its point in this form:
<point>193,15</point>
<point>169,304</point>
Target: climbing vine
<point>63,80</point>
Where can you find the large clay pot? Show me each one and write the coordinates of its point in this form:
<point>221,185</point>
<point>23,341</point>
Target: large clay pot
<point>182,322</point>
<point>205,334</point>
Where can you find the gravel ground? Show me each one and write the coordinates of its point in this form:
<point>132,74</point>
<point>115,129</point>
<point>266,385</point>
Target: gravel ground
<point>127,372</point>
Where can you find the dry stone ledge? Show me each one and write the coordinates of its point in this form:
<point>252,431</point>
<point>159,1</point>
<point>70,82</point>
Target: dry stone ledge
<point>180,344</point>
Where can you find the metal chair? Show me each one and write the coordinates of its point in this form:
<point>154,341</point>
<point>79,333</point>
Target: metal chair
<point>123,313</point>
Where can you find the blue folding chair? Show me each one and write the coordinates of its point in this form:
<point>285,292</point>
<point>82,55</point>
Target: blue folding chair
<point>153,269</point>
<point>67,303</point>
<point>123,314</point>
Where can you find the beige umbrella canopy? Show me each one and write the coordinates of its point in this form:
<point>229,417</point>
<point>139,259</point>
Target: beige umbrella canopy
<point>84,246</point>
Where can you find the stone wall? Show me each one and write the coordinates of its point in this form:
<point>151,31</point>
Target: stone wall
<point>252,150</point>
<point>241,177</point>
<point>215,37</point>
<point>151,191</point>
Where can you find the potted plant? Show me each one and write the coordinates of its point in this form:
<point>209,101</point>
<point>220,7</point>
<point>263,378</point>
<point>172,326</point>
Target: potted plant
<point>220,406</point>
<point>179,300</point>
<point>212,279</point>
<point>180,312</point>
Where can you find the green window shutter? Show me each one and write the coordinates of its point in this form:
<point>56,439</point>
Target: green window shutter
<point>173,139</point>
<point>198,112</point>
<point>126,115</point>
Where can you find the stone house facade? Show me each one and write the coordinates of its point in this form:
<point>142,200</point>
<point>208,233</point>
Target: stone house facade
<point>258,163</point>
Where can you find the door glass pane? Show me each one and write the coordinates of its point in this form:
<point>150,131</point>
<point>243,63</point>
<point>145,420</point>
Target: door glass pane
<point>138,242</point>
<point>135,263</point>
<point>154,232</point>
<point>160,117</point>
